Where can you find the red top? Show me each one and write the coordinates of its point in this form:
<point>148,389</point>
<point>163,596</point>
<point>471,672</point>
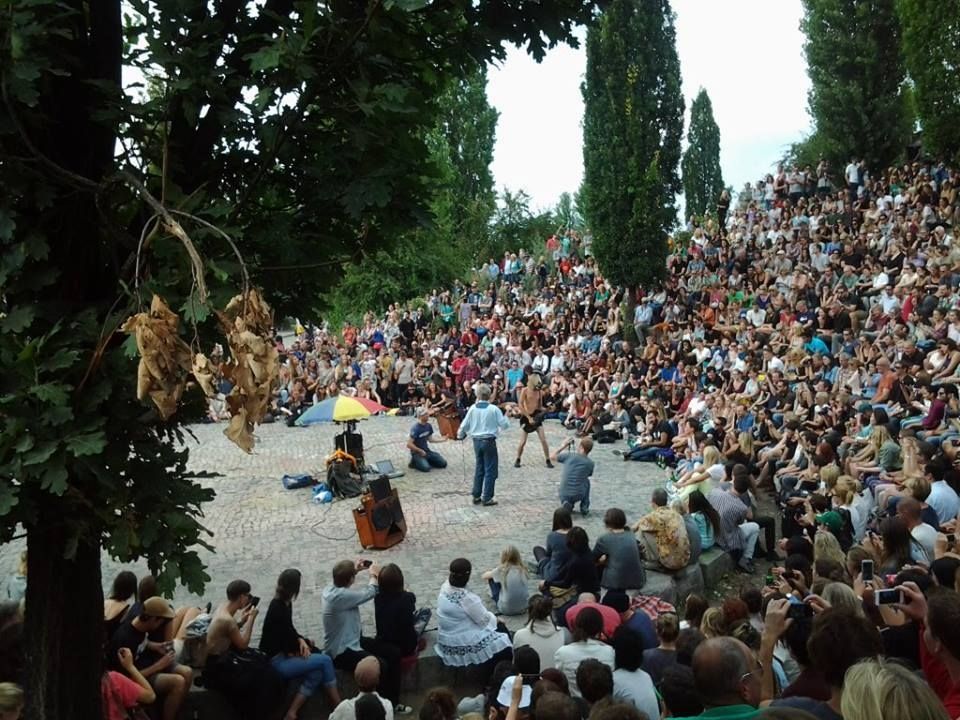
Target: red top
<point>611,618</point>
<point>118,694</point>
<point>939,679</point>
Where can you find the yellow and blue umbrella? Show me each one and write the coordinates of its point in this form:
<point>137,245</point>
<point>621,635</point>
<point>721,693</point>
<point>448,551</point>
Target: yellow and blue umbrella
<point>340,409</point>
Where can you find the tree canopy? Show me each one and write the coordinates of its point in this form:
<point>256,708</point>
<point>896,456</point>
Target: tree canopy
<point>702,176</point>
<point>857,73</point>
<point>632,126</point>
<point>931,47</point>
<point>301,130</point>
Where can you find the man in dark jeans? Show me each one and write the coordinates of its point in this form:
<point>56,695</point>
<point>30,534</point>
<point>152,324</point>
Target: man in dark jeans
<point>342,636</point>
<point>767,523</point>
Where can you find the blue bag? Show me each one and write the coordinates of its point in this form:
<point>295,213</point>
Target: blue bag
<point>294,482</point>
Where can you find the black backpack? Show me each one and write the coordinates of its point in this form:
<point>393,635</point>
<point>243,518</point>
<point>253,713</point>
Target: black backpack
<point>340,481</point>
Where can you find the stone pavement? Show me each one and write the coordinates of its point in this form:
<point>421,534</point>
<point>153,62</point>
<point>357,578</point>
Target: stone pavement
<point>260,528</point>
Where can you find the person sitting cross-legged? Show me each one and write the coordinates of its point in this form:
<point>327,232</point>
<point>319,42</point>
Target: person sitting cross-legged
<point>155,661</point>
<point>422,458</point>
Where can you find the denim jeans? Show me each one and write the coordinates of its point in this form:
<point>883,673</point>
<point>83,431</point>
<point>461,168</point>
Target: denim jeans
<point>568,501</point>
<point>487,467</point>
<point>749,531</point>
<point>495,588</point>
<point>644,453</point>
<point>430,460</point>
<point>316,670</point>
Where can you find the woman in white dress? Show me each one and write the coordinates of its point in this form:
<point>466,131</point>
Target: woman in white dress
<point>467,633</point>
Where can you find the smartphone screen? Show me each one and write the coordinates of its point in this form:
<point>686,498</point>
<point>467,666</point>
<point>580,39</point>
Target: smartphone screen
<point>866,570</point>
<point>890,596</point>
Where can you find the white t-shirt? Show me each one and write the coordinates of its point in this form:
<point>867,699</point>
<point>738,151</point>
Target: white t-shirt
<point>926,537</point>
<point>568,658</point>
<point>636,688</point>
<point>853,173</point>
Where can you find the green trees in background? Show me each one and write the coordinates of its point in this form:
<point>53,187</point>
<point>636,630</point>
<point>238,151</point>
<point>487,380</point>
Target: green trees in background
<point>702,176</point>
<point>457,230</point>
<point>299,128</point>
<point>632,127</point>
<point>857,72</point>
<point>931,47</point>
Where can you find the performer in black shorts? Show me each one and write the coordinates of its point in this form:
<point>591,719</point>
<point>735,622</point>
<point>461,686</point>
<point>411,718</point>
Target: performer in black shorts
<point>530,410</point>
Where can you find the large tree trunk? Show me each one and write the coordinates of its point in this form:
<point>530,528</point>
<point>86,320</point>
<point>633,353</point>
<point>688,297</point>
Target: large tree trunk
<point>64,623</point>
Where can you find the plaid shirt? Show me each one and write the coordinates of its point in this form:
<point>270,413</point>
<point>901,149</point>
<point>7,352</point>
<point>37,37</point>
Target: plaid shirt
<point>732,512</point>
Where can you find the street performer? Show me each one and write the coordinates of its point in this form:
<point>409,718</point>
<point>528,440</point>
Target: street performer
<point>530,409</point>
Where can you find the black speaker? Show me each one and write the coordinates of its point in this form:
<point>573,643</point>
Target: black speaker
<point>387,514</point>
<point>380,488</point>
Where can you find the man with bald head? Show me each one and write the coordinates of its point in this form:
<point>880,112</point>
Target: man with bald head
<point>727,677</point>
<point>367,677</point>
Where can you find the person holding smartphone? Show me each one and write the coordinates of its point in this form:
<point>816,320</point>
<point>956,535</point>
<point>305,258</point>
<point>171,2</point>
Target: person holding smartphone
<point>343,638</point>
<point>253,687</point>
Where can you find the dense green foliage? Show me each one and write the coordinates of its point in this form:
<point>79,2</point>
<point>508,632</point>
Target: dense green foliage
<point>516,225</point>
<point>931,47</point>
<point>702,176</point>
<point>632,126</point>
<point>857,73</point>
<point>301,129</point>
<point>461,209</point>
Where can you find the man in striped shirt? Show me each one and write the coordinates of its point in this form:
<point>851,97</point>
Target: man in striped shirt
<point>738,533</point>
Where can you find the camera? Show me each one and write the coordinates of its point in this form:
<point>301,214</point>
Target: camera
<point>366,563</point>
<point>799,610</point>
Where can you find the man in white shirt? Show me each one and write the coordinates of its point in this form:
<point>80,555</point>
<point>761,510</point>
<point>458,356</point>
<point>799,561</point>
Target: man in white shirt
<point>943,498</point>
<point>367,677</point>
<point>852,174</point>
<point>909,510</point>
<point>756,316</point>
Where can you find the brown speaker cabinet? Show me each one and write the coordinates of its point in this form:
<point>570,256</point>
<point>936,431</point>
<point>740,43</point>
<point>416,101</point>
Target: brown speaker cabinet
<point>380,524</point>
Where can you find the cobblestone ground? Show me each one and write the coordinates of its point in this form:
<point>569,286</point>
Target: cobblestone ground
<point>260,528</point>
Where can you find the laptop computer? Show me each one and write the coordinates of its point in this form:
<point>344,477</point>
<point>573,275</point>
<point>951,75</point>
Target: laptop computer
<point>384,467</point>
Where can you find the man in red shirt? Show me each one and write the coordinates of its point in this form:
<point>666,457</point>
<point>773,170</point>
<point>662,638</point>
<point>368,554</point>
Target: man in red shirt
<point>457,365</point>
<point>938,619</point>
<point>611,618</point>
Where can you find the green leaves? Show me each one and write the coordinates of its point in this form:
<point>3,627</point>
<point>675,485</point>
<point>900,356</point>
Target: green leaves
<point>702,176</point>
<point>631,158</point>
<point>18,319</point>
<point>857,74</point>
<point>87,444</point>
<point>266,58</point>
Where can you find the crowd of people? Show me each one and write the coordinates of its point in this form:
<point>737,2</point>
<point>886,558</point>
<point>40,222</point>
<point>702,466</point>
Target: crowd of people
<point>805,343</point>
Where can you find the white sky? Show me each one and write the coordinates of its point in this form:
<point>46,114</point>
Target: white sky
<point>748,54</point>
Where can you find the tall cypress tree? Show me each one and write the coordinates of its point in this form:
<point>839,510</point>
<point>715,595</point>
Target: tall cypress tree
<point>632,125</point>
<point>702,177</point>
<point>857,73</point>
<point>931,47</point>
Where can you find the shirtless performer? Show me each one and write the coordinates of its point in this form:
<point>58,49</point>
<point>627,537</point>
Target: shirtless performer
<point>530,410</point>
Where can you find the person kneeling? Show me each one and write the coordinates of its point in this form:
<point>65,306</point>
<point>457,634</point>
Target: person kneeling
<point>422,458</point>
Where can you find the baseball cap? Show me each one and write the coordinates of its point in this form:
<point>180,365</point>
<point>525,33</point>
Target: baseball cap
<point>831,520</point>
<point>506,693</point>
<point>158,607</point>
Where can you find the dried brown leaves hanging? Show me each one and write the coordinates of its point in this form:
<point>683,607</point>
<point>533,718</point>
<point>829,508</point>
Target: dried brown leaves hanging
<point>165,359</point>
<point>254,364</point>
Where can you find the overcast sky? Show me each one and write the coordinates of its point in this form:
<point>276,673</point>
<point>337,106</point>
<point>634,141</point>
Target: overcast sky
<point>748,54</point>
